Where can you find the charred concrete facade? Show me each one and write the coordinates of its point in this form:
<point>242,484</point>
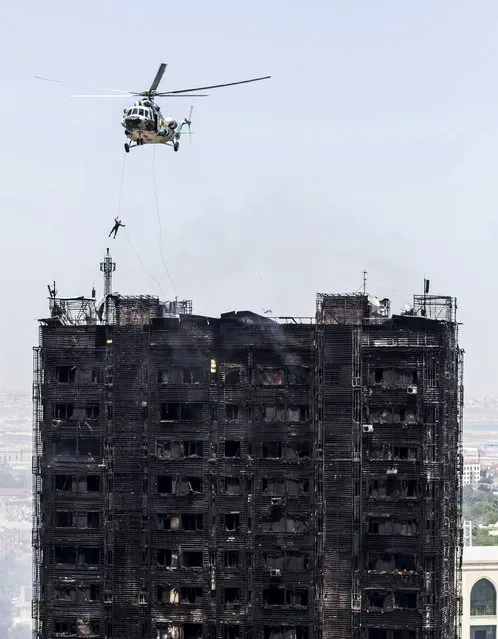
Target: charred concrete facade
<point>201,478</point>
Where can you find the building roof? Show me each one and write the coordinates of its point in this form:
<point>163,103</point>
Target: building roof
<point>480,553</point>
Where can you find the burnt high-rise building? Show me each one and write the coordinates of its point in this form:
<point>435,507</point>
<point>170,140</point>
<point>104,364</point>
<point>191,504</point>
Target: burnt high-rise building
<point>244,477</point>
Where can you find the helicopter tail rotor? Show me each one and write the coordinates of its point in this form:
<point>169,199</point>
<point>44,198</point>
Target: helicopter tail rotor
<point>188,122</point>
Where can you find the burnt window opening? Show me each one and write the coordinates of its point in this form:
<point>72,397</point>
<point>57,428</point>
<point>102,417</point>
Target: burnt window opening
<point>298,375</point>
<point>272,377</point>
<point>89,556</point>
<point>89,446</point>
<point>232,632</point>
<point>93,483</point>
<point>193,448</point>
<point>379,375</point>
<point>288,560</point>
<point>392,562</point>
<point>179,450</point>
<point>405,599</point>
<point>192,559</point>
<point>232,448</point>
<point>405,452</point>
<point>63,411</point>
<point>404,634</point>
<point>392,488</point>
<point>298,413</point>
<point>168,522</point>
<point>297,450</point>
<point>192,522</point>
<point>89,593</point>
<point>65,555</point>
<point>232,378</point>
<point>92,519</point>
<point>192,375</point>
<point>65,593</point>
<point>66,447</point>
<point>281,487</point>
<point>392,526</point>
<point>164,485</point>
<point>164,377</point>
<point>377,600</point>
<point>63,483</point>
<point>170,412</point>
<point>278,523</point>
<point>174,485</point>
<point>65,627</point>
<point>92,411</point>
<point>192,411</point>
<point>63,519</point>
<point>144,409</point>
<point>109,411</point>
<point>191,595</point>
<point>295,598</point>
<point>164,557</point>
<point>285,632</point>
<point>232,486</point>
<point>292,414</point>
<point>174,411</point>
<point>272,450</point>
<point>192,631</point>
<point>65,374</point>
<point>232,522</point>
<point>96,375</point>
<point>232,596</point>
<point>232,411</point>
<point>232,558</point>
<point>395,415</point>
<point>70,555</point>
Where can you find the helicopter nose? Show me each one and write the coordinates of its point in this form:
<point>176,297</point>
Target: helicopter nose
<point>132,122</point>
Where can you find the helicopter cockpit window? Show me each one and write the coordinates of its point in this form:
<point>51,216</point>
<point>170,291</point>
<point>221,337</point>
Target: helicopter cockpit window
<point>140,111</point>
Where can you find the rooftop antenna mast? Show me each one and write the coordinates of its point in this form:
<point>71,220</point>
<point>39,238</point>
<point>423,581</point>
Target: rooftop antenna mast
<point>427,284</point>
<point>365,282</point>
<point>107,267</point>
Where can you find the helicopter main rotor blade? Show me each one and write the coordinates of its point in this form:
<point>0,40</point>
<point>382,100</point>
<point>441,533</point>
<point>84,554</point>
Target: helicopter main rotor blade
<point>129,95</point>
<point>159,77</point>
<point>83,86</point>
<point>213,86</point>
<point>134,95</point>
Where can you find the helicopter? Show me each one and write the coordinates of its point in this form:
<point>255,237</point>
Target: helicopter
<point>143,122</point>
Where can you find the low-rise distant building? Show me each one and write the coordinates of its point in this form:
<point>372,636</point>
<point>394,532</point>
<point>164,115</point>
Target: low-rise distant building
<point>480,583</point>
<point>22,607</point>
<point>15,536</point>
<point>471,472</point>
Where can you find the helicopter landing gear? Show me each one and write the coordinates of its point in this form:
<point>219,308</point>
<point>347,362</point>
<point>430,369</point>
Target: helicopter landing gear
<point>127,147</point>
<point>176,146</point>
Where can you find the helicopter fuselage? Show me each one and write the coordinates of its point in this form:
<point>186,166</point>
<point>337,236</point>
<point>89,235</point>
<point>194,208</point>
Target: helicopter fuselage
<point>144,123</point>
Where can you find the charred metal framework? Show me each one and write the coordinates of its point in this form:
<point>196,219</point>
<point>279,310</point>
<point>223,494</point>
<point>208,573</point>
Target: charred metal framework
<point>244,477</point>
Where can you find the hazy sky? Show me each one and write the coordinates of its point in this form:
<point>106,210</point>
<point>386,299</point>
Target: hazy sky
<point>374,146</point>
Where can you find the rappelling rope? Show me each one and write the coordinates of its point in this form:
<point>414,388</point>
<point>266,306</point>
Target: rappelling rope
<point>144,267</point>
<point>159,218</point>
<point>126,232</point>
<point>122,181</point>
